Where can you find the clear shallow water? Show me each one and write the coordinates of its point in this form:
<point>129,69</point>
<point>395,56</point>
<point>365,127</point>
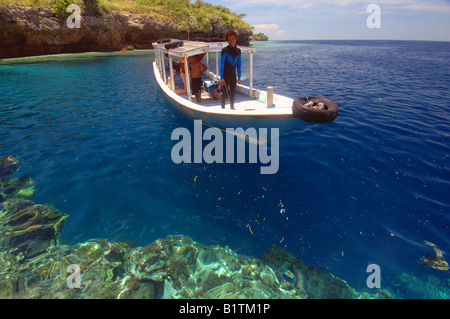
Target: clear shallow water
<point>93,132</point>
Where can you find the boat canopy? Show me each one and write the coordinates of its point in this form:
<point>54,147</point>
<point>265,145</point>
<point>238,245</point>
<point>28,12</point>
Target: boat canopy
<point>185,49</point>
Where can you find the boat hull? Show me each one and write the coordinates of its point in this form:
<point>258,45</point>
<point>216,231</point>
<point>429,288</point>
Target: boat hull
<point>231,119</point>
<point>284,124</point>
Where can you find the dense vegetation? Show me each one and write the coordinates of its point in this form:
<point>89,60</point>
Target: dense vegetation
<point>259,37</point>
<point>198,15</point>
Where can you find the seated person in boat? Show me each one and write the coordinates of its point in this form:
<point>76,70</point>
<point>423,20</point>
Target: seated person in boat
<point>197,68</point>
<point>230,61</point>
<point>178,67</point>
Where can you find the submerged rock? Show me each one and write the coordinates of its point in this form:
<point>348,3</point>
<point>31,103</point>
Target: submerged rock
<point>436,260</point>
<point>418,287</point>
<point>305,280</point>
<point>114,270</point>
<point>21,187</point>
<point>128,48</point>
<point>8,165</point>
<point>28,229</point>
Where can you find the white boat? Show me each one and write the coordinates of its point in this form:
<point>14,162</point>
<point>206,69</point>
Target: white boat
<point>252,107</point>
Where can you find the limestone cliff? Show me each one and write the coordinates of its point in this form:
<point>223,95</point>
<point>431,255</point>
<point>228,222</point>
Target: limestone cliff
<point>27,31</point>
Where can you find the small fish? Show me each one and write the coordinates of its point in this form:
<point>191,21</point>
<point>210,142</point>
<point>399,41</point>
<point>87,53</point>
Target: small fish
<point>289,276</point>
<point>143,231</point>
<point>195,180</point>
<point>250,228</point>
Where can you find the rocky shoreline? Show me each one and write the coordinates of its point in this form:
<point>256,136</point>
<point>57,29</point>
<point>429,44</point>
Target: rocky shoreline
<point>28,31</point>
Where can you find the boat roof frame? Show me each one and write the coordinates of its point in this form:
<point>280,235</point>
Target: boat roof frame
<point>191,48</point>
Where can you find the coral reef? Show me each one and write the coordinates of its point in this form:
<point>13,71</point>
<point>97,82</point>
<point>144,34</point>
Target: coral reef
<point>176,268</point>
<point>34,264</point>
<point>415,287</point>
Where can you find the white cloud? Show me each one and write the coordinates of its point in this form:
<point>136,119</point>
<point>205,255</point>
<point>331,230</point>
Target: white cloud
<point>328,19</point>
<point>273,30</point>
<point>327,5</point>
<point>267,27</point>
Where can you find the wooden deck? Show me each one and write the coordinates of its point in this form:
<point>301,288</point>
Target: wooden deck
<point>241,102</point>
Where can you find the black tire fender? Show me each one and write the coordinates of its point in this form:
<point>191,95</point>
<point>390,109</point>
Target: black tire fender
<point>173,44</point>
<point>315,109</point>
<point>161,41</point>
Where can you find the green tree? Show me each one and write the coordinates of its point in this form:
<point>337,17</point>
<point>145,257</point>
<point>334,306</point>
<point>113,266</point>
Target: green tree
<point>91,7</point>
<point>60,8</point>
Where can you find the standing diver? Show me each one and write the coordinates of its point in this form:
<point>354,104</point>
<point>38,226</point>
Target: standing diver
<point>230,60</point>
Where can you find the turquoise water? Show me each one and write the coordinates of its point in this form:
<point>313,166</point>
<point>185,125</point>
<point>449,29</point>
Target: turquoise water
<point>94,133</point>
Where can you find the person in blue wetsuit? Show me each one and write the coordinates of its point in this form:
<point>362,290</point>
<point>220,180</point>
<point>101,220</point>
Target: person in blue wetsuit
<point>230,61</point>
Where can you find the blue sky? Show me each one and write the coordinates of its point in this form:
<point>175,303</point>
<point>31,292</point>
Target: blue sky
<point>345,19</point>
